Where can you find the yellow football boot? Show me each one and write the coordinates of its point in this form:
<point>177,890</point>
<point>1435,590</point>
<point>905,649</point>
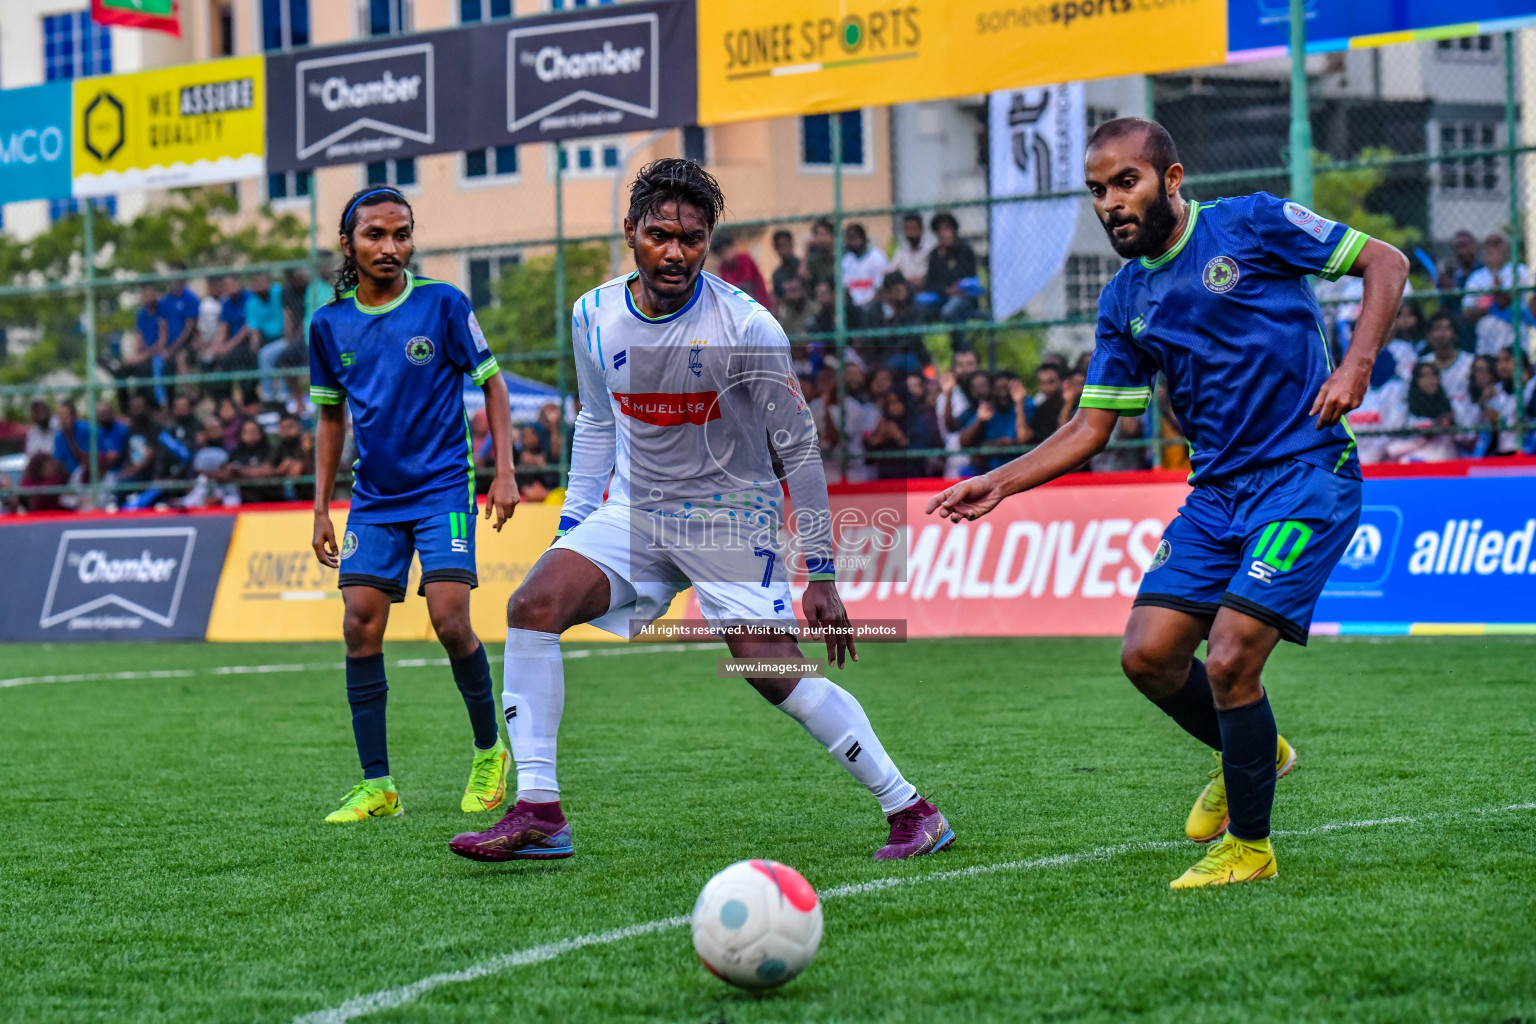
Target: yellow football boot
<point>487,785</point>
<point>371,798</point>
<point>1208,818</point>
<point>1231,860</point>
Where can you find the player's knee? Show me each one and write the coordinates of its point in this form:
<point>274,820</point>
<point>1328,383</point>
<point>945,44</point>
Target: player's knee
<point>361,631</point>
<point>527,609</point>
<point>455,633</point>
<point>1150,669</point>
<point>1231,665</point>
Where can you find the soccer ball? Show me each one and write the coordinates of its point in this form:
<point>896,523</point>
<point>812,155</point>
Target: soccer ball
<point>757,924</point>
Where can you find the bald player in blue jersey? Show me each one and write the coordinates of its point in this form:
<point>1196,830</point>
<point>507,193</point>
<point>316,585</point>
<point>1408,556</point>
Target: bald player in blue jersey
<point>393,349</point>
<point>1216,298</point>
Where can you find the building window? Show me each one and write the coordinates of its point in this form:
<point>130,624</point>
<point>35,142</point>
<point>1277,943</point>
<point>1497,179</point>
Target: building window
<point>1465,48</point>
<point>394,173</point>
<point>1086,278</point>
<point>696,144</point>
<point>284,24</point>
<point>385,17</point>
<point>589,158</point>
<point>287,185</point>
<point>816,139</point>
<point>471,11</point>
<point>74,46</point>
<point>58,209</point>
<point>1474,173</point>
<point>1099,115</point>
<point>491,162</point>
<point>483,274</point>
<point>221,24</point>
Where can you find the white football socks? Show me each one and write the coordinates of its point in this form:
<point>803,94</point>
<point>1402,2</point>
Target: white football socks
<point>832,715</point>
<point>532,699</point>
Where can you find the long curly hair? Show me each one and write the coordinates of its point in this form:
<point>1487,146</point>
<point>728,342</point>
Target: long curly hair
<point>346,276</point>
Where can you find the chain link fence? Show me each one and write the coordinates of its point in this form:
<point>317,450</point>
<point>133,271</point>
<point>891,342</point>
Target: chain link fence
<point>1422,144</point>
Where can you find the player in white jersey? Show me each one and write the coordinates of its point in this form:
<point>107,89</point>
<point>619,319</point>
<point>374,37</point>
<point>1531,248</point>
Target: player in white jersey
<point>687,394</point>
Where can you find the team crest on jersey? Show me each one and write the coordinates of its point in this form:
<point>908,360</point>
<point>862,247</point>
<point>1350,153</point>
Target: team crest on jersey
<point>1161,555</point>
<point>348,544</point>
<point>696,359</point>
<point>420,350</point>
<point>1220,275</point>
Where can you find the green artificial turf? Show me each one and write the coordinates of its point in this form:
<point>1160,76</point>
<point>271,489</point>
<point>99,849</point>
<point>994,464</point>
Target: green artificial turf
<point>165,857</point>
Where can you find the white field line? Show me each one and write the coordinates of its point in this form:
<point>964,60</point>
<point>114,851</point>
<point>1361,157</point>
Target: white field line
<point>334,666</point>
<point>386,999</point>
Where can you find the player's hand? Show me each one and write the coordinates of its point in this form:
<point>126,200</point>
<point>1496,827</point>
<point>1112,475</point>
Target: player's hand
<point>325,541</point>
<point>502,498</point>
<point>968,499</point>
<point>946,382</point>
<point>1342,392</point>
<point>824,608</point>
<point>984,411</point>
<point>1017,392</point>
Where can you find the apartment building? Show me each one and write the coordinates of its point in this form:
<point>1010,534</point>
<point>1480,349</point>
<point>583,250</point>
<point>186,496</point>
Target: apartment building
<point>493,200</point>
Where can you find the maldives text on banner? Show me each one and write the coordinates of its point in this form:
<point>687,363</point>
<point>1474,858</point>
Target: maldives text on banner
<point>192,124</point>
<point>273,587</point>
<point>776,58</point>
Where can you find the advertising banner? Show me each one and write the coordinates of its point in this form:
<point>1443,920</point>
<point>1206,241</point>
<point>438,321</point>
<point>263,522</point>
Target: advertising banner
<point>608,70</point>
<point>35,142</point>
<point>1260,29</point>
<point>386,98</point>
<point>1433,555</point>
<point>1059,561</point>
<point>147,578</point>
<point>192,124</point>
<point>1036,138</point>
<point>273,587</point>
<point>778,58</point>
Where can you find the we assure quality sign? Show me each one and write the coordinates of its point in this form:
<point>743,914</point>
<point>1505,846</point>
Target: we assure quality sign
<point>185,125</point>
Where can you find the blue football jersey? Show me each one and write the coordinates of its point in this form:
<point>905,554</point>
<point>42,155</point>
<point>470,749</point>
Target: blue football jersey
<point>1230,319</point>
<point>400,368</point>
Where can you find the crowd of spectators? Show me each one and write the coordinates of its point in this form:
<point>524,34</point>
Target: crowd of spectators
<point>1457,375</point>
<point>1451,383</point>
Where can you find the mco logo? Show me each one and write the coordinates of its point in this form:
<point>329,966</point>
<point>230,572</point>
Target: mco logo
<point>118,579</point>
<point>583,73</point>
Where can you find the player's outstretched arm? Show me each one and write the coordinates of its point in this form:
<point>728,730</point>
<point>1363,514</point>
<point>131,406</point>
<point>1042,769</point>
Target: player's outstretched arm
<point>330,431</point>
<point>1084,436</point>
<point>1385,272</point>
<point>502,497</point>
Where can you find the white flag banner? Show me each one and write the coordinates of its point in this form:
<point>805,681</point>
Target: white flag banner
<point>1036,138</point>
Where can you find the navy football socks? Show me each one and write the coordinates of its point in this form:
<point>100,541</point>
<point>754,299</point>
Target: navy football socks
<point>473,675</point>
<point>1248,740</point>
<point>1194,708</point>
<point>367,692</point>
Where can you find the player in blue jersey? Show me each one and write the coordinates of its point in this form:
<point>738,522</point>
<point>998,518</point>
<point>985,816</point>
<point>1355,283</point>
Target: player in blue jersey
<point>393,349</point>
<point>1216,298</point>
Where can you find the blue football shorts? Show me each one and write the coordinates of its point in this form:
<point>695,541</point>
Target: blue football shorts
<point>1262,543</point>
<point>378,555</point>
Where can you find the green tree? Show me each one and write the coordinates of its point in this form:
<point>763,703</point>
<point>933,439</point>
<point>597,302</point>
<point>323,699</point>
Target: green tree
<point>523,318</point>
<point>191,228</point>
<point>1341,195</point>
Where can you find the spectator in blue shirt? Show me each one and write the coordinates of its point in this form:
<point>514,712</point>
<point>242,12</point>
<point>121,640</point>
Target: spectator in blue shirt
<point>74,441</point>
<point>178,307</point>
<point>265,324</point>
<point>231,348</point>
<point>147,355</point>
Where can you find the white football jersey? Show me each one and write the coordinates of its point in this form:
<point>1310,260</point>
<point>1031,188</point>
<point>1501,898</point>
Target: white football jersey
<point>678,414</point>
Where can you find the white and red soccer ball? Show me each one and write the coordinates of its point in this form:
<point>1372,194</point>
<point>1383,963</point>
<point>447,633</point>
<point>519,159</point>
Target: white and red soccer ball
<point>757,924</point>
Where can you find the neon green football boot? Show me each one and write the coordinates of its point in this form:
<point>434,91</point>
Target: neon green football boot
<point>371,798</point>
<point>1208,818</point>
<point>487,779</point>
<point>1231,860</point>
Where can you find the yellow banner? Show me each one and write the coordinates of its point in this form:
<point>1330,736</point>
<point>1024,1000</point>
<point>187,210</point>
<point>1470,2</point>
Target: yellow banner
<point>185,125</point>
<point>776,58</point>
<point>273,587</point>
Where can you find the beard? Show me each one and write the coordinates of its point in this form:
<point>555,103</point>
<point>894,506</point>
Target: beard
<point>1155,225</point>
